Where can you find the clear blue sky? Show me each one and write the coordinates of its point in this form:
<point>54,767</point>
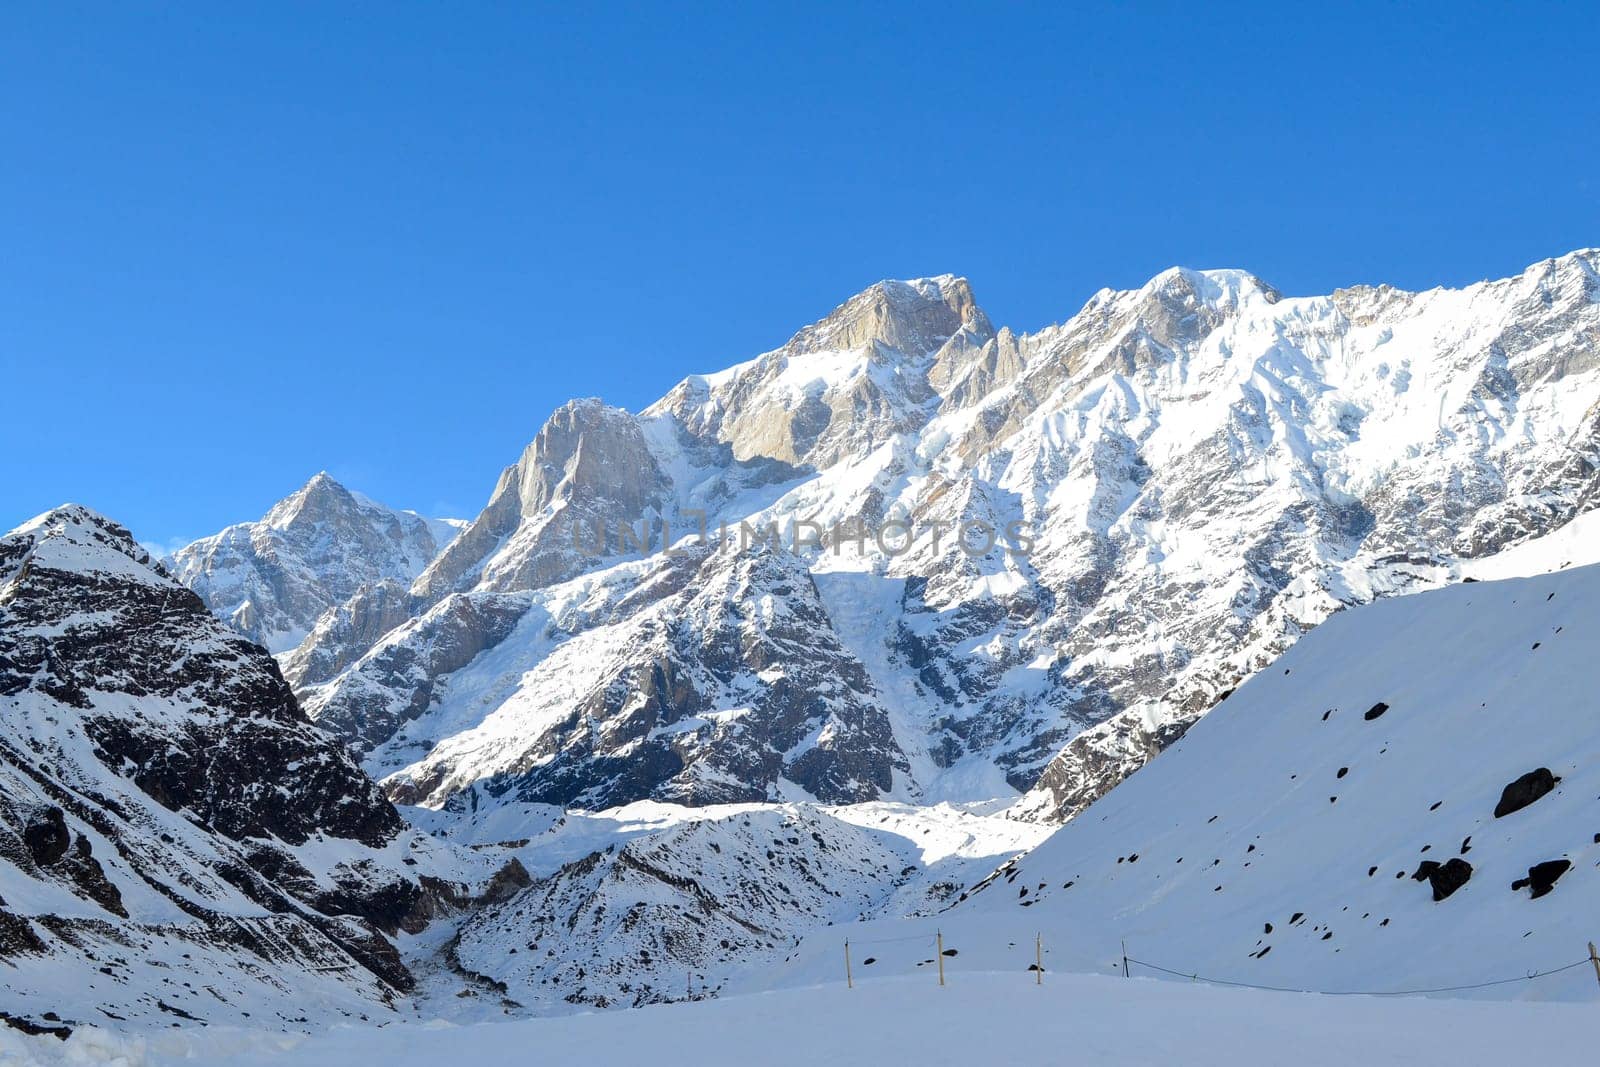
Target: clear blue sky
<point>239,244</point>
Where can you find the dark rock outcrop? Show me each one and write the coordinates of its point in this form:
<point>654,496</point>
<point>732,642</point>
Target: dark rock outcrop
<point>1524,791</point>
<point>143,742</point>
<point>1445,878</point>
<point>47,836</point>
<point>1542,877</point>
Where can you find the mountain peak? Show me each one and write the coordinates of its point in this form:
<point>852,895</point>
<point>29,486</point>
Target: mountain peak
<point>320,481</point>
<point>272,579</point>
<point>76,537</point>
<point>914,317</point>
<point>1218,287</point>
<point>319,500</point>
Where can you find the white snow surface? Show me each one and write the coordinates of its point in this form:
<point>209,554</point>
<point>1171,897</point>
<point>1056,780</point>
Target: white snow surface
<point>977,1018</point>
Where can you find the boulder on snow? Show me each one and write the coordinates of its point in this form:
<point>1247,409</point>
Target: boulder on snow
<point>1524,791</point>
<point>1542,877</point>
<point>1445,878</point>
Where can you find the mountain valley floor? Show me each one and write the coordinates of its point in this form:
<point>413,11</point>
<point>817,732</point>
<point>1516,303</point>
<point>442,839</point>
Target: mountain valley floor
<point>976,1018</point>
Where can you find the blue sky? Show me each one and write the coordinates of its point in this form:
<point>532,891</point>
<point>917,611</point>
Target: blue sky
<point>240,244</point>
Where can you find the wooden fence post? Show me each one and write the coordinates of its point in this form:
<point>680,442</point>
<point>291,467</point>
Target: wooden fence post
<point>1038,959</point>
<point>849,982</point>
<point>939,949</point>
<point>1594,959</point>
<point>1124,958</point>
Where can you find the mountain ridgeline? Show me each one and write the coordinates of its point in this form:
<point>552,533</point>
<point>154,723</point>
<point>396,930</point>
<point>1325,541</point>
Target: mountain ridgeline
<point>1206,468</point>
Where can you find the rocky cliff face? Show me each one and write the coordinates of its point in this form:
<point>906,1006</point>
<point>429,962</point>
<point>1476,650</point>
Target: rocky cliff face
<point>726,685</point>
<point>177,840</point>
<point>272,579</point>
<point>1194,473</point>
<point>590,466</point>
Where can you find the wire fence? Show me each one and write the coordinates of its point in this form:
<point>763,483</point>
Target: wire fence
<point>1362,992</point>
<point>1036,968</point>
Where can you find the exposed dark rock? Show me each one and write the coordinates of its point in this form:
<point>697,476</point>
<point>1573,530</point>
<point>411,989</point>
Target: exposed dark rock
<point>1542,877</point>
<point>1445,878</point>
<point>17,936</point>
<point>1524,791</point>
<point>28,1026</point>
<point>46,836</point>
<point>1376,710</point>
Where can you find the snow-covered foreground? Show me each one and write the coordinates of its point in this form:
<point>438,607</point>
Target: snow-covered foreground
<point>977,1018</point>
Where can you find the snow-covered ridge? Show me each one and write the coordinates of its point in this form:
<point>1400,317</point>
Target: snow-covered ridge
<point>1210,468</point>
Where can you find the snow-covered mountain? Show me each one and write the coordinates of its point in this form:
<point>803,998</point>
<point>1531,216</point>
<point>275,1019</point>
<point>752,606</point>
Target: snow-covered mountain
<point>315,549</point>
<point>177,840</point>
<point>694,683</point>
<point>1405,800</point>
<point>1182,480</point>
<point>655,902</point>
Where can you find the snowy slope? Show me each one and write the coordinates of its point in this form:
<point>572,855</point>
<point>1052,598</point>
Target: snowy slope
<point>316,548</point>
<point>1281,840</point>
<point>1208,469</point>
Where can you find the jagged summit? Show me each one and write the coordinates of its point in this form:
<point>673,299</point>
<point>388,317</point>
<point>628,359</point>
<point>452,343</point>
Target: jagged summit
<point>72,520</point>
<point>911,317</point>
<point>1208,469</point>
<point>588,463</point>
<point>320,499</point>
<point>314,549</point>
